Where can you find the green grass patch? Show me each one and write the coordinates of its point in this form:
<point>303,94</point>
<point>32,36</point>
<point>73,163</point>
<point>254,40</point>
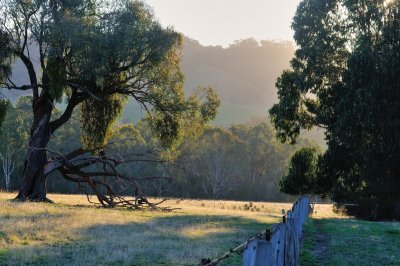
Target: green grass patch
<point>307,257</point>
<point>351,242</point>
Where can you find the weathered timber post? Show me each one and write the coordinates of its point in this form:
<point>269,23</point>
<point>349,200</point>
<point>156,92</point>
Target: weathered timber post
<point>258,253</point>
<point>278,242</point>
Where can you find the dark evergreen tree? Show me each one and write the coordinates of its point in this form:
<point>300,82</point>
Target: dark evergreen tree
<point>345,77</point>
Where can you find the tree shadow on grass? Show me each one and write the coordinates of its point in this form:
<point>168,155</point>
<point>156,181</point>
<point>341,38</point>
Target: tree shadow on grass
<point>167,240</point>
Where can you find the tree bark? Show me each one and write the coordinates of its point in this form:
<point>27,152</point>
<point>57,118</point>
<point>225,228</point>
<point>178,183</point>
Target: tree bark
<point>34,180</point>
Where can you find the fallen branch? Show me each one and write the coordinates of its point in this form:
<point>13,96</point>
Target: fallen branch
<point>99,174</point>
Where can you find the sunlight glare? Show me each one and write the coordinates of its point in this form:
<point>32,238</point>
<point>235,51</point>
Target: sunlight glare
<point>388,2</point>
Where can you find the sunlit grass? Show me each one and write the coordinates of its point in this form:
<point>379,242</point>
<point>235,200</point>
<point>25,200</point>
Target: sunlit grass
<point>322,211</point>
<point>73,231</point>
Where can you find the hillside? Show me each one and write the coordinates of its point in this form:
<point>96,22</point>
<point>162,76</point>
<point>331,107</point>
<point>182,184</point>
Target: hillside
<point>243,75</point>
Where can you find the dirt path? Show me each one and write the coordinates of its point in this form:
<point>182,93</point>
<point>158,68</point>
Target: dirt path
<point>321,244</point>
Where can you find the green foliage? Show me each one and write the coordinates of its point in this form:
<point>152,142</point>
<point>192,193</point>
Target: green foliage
<point>345,79</point>
<point>291,114</point>
<point>5,69</point>
<point>97,119</point>
<point>171,131</point>
<point>129,133</point>
<point>303,174</point>
<point>3,109</point>
<point>5,56</point>
<point>210,106</point>
<point>166,128</point>
<point>56,72</point>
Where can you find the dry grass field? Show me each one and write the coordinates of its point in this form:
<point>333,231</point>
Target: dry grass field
<point>73,231</point>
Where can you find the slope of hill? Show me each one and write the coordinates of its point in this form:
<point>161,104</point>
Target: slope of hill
<point>243,75</point>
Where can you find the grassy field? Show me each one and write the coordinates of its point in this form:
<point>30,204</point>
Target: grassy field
<point>73,232</point>
<point>342,240</point>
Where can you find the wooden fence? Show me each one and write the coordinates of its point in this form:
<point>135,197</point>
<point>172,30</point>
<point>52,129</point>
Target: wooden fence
<point>281,243</point>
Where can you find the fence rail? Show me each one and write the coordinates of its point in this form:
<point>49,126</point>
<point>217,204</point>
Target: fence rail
<point>281,243</point>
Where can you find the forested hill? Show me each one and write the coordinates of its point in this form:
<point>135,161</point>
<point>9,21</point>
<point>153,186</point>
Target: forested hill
<point>243,74</point>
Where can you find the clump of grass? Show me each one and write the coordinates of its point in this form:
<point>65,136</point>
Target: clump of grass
<point>248,206</point>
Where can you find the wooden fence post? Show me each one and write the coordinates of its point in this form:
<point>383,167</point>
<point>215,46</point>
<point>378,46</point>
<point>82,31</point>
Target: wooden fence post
<point>278,242</point>
<point>258,253</point>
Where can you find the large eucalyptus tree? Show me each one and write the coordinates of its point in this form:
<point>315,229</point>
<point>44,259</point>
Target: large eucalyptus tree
<point>93,54</point>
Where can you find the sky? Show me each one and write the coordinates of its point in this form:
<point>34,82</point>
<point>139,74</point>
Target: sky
<point>221,22</point>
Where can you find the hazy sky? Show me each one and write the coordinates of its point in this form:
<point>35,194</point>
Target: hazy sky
<point>220,22</point>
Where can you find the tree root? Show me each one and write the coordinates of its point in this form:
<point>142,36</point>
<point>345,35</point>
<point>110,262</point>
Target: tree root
<point>27,199</point>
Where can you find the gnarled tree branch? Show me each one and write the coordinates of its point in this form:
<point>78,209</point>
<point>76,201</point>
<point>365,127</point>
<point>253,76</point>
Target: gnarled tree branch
<point>100,175</point>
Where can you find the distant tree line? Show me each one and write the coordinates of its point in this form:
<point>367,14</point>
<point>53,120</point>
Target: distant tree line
<point>242,162</point>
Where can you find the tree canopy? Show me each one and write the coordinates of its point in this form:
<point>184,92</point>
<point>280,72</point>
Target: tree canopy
<point>345,78</point>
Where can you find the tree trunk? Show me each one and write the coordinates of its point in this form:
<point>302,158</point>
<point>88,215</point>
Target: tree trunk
<point>34,180</point>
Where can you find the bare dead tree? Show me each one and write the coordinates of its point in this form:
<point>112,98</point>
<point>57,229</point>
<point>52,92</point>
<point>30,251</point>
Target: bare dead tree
<point>217,175</point>
<point>8,166</point>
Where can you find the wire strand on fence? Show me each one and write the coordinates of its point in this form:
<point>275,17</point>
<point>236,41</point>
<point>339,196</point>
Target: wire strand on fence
<point>265,235</point>
<point>237,250</point>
